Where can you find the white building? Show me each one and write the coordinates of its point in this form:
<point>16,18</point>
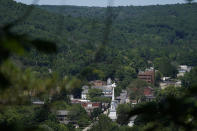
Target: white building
<point>84,93</point>
<point>62,116</point>
<point>106,88</point>
<point>183,69</point>
<point>165,84</point>
<point>109,81</point>
<point>123,98</point>
<point>38,102</point>
<point>112,112</point>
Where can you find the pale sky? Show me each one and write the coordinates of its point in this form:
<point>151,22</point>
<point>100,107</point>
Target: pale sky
<point>102,3</point>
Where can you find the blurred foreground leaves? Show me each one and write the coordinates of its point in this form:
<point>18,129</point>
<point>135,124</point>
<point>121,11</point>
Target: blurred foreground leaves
<point>17,113</point>
<point>174,109</point>
<point>14,44</point>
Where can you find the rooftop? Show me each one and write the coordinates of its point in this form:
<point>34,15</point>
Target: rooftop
<point>62,112</point>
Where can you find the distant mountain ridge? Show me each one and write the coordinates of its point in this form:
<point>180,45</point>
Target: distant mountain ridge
<point>82,11</point>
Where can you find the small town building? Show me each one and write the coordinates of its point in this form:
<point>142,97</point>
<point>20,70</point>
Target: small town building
<point>71,97</point>
<point>148,75</point>
<point>165,78</point>
<point>98,83</point>
<point>112,111</point>
<point>123,98</point>
<point>182,69</point>
<point>78,101</point>
<point>38,102</point>
<point>87,104</point>
<point>133,102</point>
<point>90,106</point>
<point>149,94</point>
<point>107,90</point>
<point>167,81</point>
<point>62,116</point>
<point>109,81</point>
<point>178,83</point>
<point>84,93</point>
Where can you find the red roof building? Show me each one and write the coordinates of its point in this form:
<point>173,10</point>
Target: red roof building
<point>149,94</point>
<point>98,83</point>
<point>148,91</point>
<point>90,106</point>
<point>87,105</point>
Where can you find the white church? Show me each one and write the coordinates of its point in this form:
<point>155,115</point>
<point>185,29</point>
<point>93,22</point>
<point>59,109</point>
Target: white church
<point>112,111</point>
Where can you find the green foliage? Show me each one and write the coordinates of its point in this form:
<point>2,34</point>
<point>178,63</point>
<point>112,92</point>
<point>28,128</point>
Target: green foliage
<point>162,34</point>
<point>132,39</point>
<point>171,91</point>
<point>28,118</point>
<point>63,95</point>
<point>117,90</point>
<point>104,124</point>
<point>17,113</point>
<point>59,105</point>
<point>78,115</point>
<point>90,73</point>
<point>136,89</point>
<point>165,67</point>
<point>101,99</point>
<point>158,76</point>
<point>94,93</point>
<point>74,87</point>
<point>96,112</point>
<point>53,126</point>
<point>12,43</point>
<point>42,113</point>
<point>123,113</point>
<point>190,79</point>
<point>13,118</point>
<point>174,109</point>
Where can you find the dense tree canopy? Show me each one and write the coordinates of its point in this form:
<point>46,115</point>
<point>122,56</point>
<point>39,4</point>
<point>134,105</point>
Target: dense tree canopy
<point>136,89</point>
<point>136,35</point>
<point>95,43</point>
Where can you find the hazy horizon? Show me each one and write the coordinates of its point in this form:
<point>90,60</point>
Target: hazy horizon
<point>103,3</point>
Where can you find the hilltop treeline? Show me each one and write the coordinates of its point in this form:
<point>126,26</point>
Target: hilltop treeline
<point>96,43</point>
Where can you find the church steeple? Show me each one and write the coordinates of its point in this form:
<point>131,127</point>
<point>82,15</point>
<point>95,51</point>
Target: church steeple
<point>112,113</point>
<point>113,96</point>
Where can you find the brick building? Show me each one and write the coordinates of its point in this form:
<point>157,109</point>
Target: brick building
<point>147,75</point>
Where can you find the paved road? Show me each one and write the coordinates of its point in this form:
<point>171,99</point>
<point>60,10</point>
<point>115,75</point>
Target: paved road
<point>88,128</point>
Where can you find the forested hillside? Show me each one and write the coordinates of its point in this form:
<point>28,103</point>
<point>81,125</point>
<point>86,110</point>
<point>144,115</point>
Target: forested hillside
<point>139,37</point>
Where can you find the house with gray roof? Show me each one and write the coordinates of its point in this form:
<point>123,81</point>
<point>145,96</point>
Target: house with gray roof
<point>62,116</point>
<point>107,90</point>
